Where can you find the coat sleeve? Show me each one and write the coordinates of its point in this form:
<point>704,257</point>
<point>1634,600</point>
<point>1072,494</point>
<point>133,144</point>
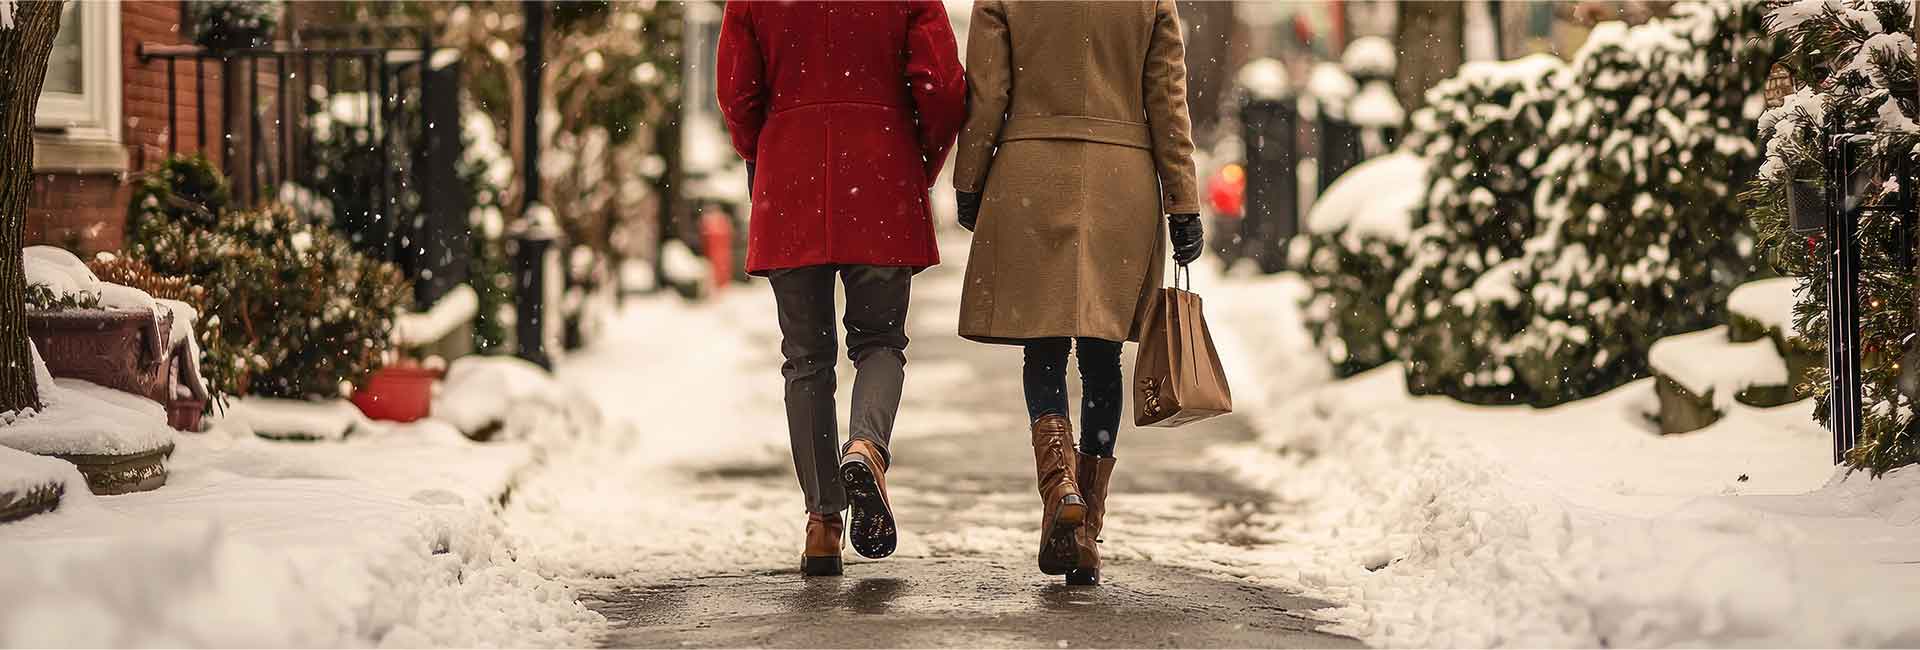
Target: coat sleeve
<point>1167,119</point>
<point>741,79</point>
<point>938,83</point>
<point>989,84</point>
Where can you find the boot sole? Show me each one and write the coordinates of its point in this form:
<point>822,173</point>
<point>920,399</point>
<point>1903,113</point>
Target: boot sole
<point>1084,577</point>
<point>1059,552</point>
<point>819,566</point>
<point>870,529</point>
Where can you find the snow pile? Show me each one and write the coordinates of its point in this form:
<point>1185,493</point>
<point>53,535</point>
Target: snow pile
<point>1768,302</point>
<point>457,308</point>
<point>1707,364</point>
<point>510,398</point>
<point>21,471</point>
<point>289,419</point>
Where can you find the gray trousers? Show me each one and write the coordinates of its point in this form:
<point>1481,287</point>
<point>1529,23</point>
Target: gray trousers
<point>876,323</point>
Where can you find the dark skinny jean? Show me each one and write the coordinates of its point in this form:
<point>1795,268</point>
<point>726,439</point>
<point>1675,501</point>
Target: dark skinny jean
<point>1101,385</point>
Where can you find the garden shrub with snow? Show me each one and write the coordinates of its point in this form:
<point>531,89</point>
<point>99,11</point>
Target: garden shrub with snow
<point>1355,238</point>
<point>1853,59</point>
<point>1453,306</point>
<point>1640,234</point>
<point>291,309</point>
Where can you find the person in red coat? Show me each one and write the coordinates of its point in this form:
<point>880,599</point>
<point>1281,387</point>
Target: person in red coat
<point>844,112</point>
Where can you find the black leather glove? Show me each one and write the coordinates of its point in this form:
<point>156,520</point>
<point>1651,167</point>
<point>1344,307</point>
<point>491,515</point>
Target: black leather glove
<point>749,178</point>
<point>969,204</point>
<point>1188,237</point>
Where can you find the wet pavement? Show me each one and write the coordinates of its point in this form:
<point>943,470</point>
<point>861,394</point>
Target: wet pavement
<point>966,467</point>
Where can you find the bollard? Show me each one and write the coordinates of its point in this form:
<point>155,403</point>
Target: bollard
<point>1272,199</point>
<point>534,247</point>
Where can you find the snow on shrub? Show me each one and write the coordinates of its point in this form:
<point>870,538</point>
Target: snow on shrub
<point>1356,236</point>
<point>1450,313</point>
<point>1639,234</point>
<point>1854,58</point>
<point>291,310</point>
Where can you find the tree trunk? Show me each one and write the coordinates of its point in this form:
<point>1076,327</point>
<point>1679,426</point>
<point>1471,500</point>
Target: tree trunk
<point>24,49</point>
<point>1432,38</point>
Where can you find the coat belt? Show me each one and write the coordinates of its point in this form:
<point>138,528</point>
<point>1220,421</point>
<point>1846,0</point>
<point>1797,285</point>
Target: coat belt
<point>1075,127</point>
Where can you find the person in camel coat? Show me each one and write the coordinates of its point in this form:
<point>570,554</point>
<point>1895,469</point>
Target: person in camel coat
<point>1076,149</point>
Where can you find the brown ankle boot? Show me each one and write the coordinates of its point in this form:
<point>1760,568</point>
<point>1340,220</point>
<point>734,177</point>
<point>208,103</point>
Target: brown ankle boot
<point>863,470</point>
<point>822,557</point>
<point>1095,472</point>
<point>1062,508</point>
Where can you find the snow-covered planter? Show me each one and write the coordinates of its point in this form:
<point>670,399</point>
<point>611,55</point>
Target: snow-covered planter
<point>114,335</point>
<point>118,441</point>
<point>1700,374</point>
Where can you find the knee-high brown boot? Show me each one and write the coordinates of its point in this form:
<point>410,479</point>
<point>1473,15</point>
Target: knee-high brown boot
<point>1062,509</point>
<point>1094,474</point>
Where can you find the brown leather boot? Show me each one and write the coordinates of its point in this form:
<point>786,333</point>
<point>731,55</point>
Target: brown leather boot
<point>1062,510</point>
<point>1095,473</point>
<point>863,470</point>
<point>822,557</point>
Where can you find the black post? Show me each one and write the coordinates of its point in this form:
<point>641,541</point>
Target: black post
<point>444,229</point>
<point>1843,297</point>
<point>533,240</point>
<point>1273,186</point>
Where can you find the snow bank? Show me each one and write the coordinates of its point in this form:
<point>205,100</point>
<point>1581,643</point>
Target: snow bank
<point>1438,524</point>
<point>289,419</point>
<point>387,539</point>
<point>509,398</point>
<point>1768,302</point>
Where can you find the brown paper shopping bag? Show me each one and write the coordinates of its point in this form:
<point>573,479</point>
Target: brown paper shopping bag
<point>1177,377</point>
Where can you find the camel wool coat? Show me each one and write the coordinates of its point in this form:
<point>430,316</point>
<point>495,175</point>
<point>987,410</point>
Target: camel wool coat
<point>1078,138</point>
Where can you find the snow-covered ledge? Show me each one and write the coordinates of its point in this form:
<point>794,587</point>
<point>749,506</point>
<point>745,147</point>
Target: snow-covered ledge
<point>419,329</point>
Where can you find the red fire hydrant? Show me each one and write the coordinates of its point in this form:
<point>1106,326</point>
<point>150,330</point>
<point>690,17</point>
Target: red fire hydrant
<point>716,236</point>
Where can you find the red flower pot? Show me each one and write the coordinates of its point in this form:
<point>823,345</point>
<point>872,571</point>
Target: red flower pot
<point>397,393</point>
<point>183,413</point>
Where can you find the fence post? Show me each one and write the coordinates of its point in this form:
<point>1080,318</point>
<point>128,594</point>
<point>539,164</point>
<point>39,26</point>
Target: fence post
<point>444,232</point>
<point>1268,120</point>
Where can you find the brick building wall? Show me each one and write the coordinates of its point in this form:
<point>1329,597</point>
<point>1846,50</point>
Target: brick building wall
<point>86,210</point>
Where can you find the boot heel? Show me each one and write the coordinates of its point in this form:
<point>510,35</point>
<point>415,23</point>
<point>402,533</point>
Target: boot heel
<point>1084,577</point>
<point>820,566</point>
<point>1072,512</point>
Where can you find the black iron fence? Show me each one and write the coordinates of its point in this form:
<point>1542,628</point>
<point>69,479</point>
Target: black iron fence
<point>351,125</point>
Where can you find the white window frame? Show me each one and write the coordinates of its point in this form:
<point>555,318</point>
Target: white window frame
<point>94,114</point>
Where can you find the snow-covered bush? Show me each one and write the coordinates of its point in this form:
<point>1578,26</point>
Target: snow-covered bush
<point>1853,58</point>
<point>1454,305</point>
<point>290,309</point>
<point>1352,248</point>
<point>1640,235</point>
<point>234,24</point>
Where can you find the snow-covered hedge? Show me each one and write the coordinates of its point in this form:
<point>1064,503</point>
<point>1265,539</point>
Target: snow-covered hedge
<point>1640,232</point>
<point>1853,58</point>
<point>1454,306</point>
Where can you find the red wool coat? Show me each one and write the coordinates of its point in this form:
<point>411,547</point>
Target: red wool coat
<point>847,110</point>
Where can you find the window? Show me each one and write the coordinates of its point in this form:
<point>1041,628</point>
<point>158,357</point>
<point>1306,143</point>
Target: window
<point>81,97</point>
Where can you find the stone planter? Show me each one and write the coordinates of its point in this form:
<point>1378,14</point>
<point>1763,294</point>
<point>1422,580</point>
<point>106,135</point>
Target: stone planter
<point>122,473</point>
<point>124,350</point>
